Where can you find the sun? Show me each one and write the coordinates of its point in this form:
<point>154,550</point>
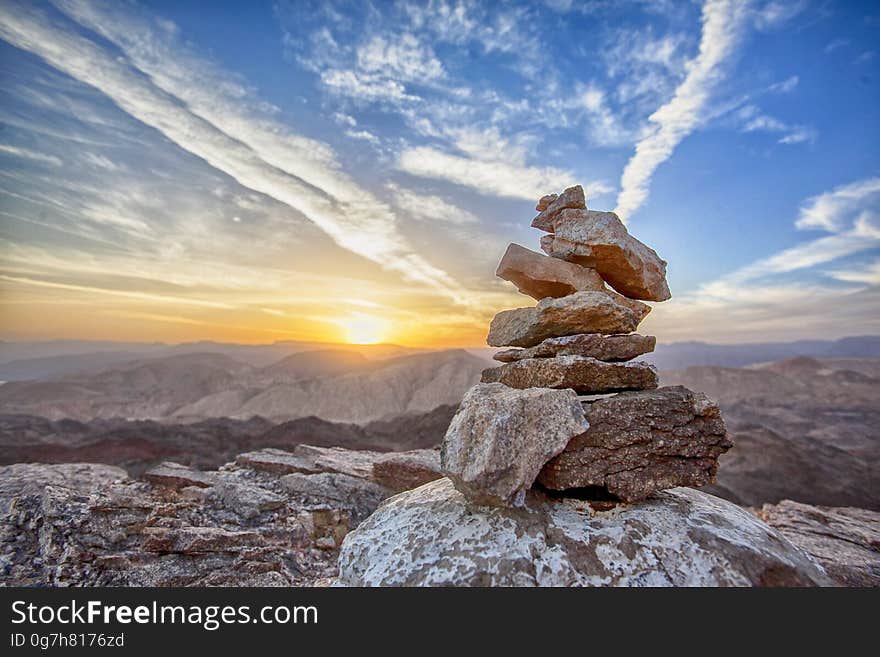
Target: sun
<point>363,329</point>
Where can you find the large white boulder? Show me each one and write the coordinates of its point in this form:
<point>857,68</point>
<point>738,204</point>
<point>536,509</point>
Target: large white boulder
<point>432,536</point>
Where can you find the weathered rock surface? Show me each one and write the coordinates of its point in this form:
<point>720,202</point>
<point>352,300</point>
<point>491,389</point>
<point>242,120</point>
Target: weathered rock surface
<point>642,442</point>
<point>679,537</point>
<point>844,540</point>
<point>401,471</point>
<point>582,374</point>
<point>243,531</point>
<point>176,475</point>
<point>23,479</point>
<point>245,524</point>
<point>581,312</point>
<point>354,494</point>
<point>500,438</point>
<point>610,348</point>
<point>601,241</point>
<point>541,276</point>
<point>310,459</point>
<point>550,206</point>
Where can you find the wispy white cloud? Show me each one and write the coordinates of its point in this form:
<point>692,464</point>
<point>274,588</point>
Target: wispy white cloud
<point>831,210</point>
<point>776,12</point>
<point>429,207</point>
<point>489,176</point>
<point>28,154</point>
<point>404,57</point>
<point>723,22</point>
<point>219,122</point>
<point>766,297</point>
<point>754,121</point>
<point>835,44</point>
<point>868,274</point>
<point>786,86</point>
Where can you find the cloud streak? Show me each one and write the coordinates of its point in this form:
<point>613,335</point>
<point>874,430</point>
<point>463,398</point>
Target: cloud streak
<point>197,108</point>
<point>723,22</point>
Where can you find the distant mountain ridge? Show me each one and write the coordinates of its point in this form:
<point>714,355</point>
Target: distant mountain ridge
<point>336,385</point>
<point>141,444</point>
<point>20,361</point>
<point>679,355</point>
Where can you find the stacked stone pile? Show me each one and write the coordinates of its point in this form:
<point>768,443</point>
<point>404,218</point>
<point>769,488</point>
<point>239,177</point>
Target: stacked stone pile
<point>548,414</point>
<point>556,463</point>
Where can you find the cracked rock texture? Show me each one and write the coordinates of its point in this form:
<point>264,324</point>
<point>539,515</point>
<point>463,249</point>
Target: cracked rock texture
<point>500,438</point>
<point>845,540</point>
<point>609,348</point>
<point>642,442</point>
<point>600,240</point>
<point>580,373</point>
<point>432,536</point>
<point>581,312</point>
<point>272,519</point>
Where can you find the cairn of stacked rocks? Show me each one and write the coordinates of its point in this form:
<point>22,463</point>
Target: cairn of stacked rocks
<point>570,408</point>
<point>555,463</point>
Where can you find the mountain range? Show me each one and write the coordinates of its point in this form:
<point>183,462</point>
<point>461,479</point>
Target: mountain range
<point>335,385</point>
<point>21,361</point>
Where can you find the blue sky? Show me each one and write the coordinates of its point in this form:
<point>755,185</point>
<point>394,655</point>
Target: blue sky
<point>299,170</point>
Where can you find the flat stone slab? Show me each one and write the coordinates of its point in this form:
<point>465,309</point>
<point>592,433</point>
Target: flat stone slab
<point>433,536</point>
<point>582,374</point>
<point>310,459</point>
<point>277,461</point>
<point>401,471</point>
<point>642,442</point>
<point>581,312</point>
<point>175,475</point>
<point>610,348</point>
<point>500,438</point>
<point>600,240</point>
<point>540,276</point>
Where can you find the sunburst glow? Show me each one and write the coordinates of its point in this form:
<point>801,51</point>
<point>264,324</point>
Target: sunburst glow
<point>364,329</point>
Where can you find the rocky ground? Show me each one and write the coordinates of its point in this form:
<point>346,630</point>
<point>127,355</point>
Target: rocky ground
<point>275,518</point>
<point>271,518</point>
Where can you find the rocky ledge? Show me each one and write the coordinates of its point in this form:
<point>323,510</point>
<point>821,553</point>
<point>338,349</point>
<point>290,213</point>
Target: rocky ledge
<point>273,518</point>
<point>90,524</point>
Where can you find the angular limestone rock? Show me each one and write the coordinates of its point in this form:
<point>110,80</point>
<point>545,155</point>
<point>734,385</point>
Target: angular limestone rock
<point>500,438</point>
<point>581,312</point>
<point>580,373</point>
<point>600,240</point>
<point>432,536</point>
<point>609,348</point>
<point>541,276</point>
<point>642,442</point>
<point>573,197</point>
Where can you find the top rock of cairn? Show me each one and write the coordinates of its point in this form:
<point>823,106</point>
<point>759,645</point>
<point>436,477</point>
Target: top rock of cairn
<point>600,240</point>
<point>579,340</point>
